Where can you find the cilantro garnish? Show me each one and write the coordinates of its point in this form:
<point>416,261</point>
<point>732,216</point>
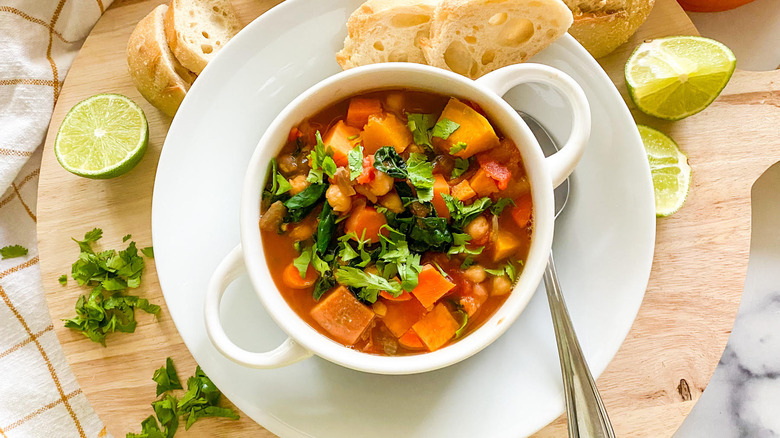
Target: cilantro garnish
<point>459,241</point>
<point>461,166</point>
<point>166,377</point>
<point>421,176</point>
<point>107,271</point>
<point>458,147</point>
<point>444,128</point>
<point>283,186</point>
<point>463,323</point>
<point>302,261</point>
<point>462,214</point>
<point>420,125</point>
<point>499,206</point>
<point>199,401</point>
<point>126,238</point>
<point>367,284</point>
<point>321,161</point>
<point>279,184</point>
<point>355,158</point>
<point>63,279</point>
<point>399,259</point>
<point>13,251</point>
<point>509,269</point>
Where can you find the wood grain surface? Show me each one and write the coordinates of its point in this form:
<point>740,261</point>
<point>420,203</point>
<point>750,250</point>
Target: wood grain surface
<point>649,387</point>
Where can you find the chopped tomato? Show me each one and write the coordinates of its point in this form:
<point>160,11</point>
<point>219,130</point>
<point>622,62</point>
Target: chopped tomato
<point>500,173</point>
<point>369,172</point>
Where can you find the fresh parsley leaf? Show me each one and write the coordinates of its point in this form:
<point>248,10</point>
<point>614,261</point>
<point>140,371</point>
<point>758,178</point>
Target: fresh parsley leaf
<point>420,125</point>
<point>439,268</point>
<point>444,128</point>
<point>300,205</point>
<point>283,186</point>
<point>96,315</point>
<point>355,158</point>
<point>63,279</point>
<point>461,166</point>
<point>13,251</point>
<point>149,429</point>
<point>302,261</point>
<point>462,214</point>
<point>329,166</point>
<point>459,241</point>
<point>387,160</point>
<point>326,228</point>
<point>421,176</point>
<point>464,322</point>
<point>499,206</point>
<point>467,262</point>
<point>167,414</point>
<point>367,284</point>
<point>93,236</point>
<point>166,378</point>
<point>126,238</point>
<point>321,161</point>
<point>399,259</point>
<point>200,400</point>
<point>509,269</point>
<point>148,252</point>
<point>458,147</point>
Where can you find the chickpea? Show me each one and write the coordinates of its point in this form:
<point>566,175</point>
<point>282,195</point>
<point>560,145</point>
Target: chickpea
<point>298,184</point>
<point>302,232</point>
<point>337,199</point>
<point>381,185</point>
<point>392,202</point>
<point>475,274</point>
<point>478,228</point>
<point>500,286</point>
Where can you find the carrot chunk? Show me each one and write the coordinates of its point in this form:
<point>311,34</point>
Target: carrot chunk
<point>359,110</point>
<point>401,315</point>
<point>482,183</point>
<point>440,187</point>
<point>403,297</point>
<point>292,277</point>
<point>436,328</point>
<point>342,138</point>
<point>411,341</point>
<point>474,130</point>
<point>385,130</point>
<point>463,191</point>
<point>342,315</point>
<point>521,212</point>
<point>431,286</point>
<point>365,222</point>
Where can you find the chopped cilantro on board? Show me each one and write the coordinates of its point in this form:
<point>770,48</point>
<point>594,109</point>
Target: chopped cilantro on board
<point>12,251</point>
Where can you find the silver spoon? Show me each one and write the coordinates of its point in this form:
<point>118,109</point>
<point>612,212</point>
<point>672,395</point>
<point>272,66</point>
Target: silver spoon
<point>585,411</point>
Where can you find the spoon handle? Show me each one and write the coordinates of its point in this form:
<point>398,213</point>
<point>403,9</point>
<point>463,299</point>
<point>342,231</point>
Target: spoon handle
<point>586,414</point>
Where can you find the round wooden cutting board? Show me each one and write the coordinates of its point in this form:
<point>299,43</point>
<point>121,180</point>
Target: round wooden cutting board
<point>649,387</point>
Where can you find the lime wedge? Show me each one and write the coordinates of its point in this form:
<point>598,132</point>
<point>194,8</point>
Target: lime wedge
<point>669,168</point>
<point>675,77</point>
<point>102,137</point>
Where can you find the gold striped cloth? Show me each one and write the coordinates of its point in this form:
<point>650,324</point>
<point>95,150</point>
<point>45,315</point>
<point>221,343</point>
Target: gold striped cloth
<point>39,396</point>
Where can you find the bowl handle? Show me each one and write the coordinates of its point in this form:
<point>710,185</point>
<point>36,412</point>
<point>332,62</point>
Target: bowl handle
<point>562,163</point>
<point>230,268</point>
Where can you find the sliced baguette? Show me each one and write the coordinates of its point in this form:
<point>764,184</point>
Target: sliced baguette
<point>157,75</point>
<point>602,28</point>
<point>386,31</point>
<point>474,37</point>
<point>198,29</point>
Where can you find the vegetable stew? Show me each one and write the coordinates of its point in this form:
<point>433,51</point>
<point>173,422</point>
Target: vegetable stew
<point>397,221</point>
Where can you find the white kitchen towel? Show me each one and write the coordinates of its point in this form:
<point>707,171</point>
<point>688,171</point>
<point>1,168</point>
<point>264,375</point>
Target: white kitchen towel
<point>39,396</point>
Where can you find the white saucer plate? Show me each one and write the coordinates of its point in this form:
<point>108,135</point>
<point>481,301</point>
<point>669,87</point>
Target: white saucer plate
<point>603,246</point>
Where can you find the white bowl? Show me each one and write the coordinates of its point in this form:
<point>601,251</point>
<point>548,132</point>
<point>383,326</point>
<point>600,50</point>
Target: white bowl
<point>544,175</point>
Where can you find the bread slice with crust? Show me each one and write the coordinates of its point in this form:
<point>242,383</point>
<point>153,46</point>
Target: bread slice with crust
<point>602,26</point>
<point>156,73</point>
<point>386,31</point>
<point>474,37</point>
<point>198,29</point>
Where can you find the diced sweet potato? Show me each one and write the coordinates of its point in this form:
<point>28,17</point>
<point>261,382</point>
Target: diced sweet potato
<point>365,222</point>
<point>360,108</point>
<point>385,130</point>
<point>521,212</point>
<point>342,315</point>
<point>440,186</point>
<point>436,328</point>
<point>463,191</point>
<point>412,341</point>
<point>482,183</point>
<point>342,138</point>
<point>401,315</point>
<point>474,130</point>
<point>431,286</point>
<point>505,245</point>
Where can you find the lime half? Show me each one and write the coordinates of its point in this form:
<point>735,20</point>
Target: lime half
<point>102,137</point>
<point>675,77</point>
<point>669,168</point>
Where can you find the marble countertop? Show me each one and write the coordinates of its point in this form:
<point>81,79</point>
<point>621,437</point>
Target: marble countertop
<point>743,396</point>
